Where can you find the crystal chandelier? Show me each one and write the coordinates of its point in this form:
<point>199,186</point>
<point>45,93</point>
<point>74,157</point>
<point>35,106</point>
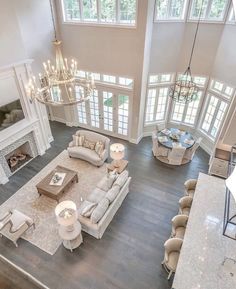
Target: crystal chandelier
<point>185,89</point>
<point>60,84</point>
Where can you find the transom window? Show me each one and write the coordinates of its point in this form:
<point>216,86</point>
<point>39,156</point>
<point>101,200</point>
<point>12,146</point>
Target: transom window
<point>170,9</point>
<point>213,10</point>
<point>118,12</point>
<point>160,78</point>
<point>221,88</point>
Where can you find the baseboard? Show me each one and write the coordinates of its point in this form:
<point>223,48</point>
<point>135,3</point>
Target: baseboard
<point>50,139</point>
<point>25,274</point>
<point>58,119</point>
<point>137,140</point>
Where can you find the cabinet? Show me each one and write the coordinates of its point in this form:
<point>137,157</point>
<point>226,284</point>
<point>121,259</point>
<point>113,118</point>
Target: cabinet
<point>219,163</point>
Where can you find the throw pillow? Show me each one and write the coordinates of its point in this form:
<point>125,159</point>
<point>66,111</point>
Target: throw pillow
<point>86,208</point>
<point>99,148</point>
<point>106,182</point>
<point>89,144</point>
<point>122,178</point>
<point>99,211</point>
<point>112,193</point>
<point>96,196</point>
<point>78,140</point>
<point>81,140</point>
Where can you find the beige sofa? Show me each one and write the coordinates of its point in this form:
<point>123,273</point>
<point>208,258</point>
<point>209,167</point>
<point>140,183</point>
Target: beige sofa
<point>97,229</point>
<point>87,154</point>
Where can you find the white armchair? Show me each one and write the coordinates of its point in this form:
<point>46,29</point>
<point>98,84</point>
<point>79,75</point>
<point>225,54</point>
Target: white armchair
<point>189,154</point>
<point>179,224</point>
<point>157,149</point>
<point>185,204</point>
<point>171,257</point>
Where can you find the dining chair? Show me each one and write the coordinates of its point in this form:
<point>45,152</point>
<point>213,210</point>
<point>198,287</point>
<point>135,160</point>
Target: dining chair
<point>185,204</point>
<point>190,186</point>
<point>171,256</point>
<point>160,126</point>
<point>191,152</point>
<point>175,156</point>
<point>179,224</point>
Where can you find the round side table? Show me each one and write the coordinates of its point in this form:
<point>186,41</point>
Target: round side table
<point>71,239</point>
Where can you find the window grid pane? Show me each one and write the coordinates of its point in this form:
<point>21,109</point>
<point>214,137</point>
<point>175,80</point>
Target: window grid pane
<point>72,10</point>
<point>162,103</point>
<point>219,118</point>
<point>94,109</point>
<point>127,11</point>
<point>150,105</point>
<point>108,110</point>
<point>210,113</point>
<point>192,110</point>
<point>90,10</point>
<point>108,11</point>
<point>170,9</point>
<point>123,114</point>
<point>178,111</point>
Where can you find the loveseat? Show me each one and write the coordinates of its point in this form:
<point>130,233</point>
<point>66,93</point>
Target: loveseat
<point>96,212</point>
<point>78,150</point>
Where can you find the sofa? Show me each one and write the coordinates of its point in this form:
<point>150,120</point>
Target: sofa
<point>104,203</point>
<point>89,154</point>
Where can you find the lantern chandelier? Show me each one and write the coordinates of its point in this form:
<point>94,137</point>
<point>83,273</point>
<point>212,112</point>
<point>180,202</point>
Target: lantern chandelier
<point>60,84</point>
<point>185,89</point>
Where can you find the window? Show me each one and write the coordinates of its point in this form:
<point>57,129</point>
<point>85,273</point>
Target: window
<point>156,104</point>
<point>231,17</point>
<point>160,78</point>
<point>223,89</point>
<point>81,109</point>
<point>123,113</point>
<point>170,9</point>
<point>120,12</point>
<point>213,10</point>
<point>214,115</point>
<point>94,109</point>
<point>108,110</point>
<point>109,78</point>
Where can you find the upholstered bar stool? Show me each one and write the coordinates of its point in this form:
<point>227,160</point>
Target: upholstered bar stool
<point>190,186</point>
<point>179,224</point>
<point>185,204</point>
<point>171,257</point>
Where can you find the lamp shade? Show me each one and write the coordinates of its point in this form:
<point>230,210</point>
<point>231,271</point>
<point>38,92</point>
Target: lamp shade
<point>117,151</point>
<point>231,183</point>
<point>66,213</point>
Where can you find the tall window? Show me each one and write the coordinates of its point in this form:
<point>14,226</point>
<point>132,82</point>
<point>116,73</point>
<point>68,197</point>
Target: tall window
<point>170,9</point>
<point>123,114</point>
<point>121,12</point>
<point>94,109</point>
<point>213,10</point>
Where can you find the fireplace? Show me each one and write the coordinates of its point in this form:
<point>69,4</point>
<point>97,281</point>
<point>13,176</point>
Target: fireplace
<point>19,157</point>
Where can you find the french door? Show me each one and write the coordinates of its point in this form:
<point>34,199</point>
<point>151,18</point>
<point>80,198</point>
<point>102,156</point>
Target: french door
<point>107,111</point>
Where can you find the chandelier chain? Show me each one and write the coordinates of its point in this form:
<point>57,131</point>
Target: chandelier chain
<point>195,36</point>
<point>53,20</point>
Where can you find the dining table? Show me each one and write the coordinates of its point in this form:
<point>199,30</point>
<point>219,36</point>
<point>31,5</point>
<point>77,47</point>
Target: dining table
<point>171,137</point>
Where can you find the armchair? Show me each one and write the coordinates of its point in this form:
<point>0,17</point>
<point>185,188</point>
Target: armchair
<point>185,204</point>
<point>179,224</point>
<point>14,224</point>
<point>190,186</point>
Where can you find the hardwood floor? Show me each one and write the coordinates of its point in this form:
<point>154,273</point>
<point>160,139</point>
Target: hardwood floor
<point>130,253</point>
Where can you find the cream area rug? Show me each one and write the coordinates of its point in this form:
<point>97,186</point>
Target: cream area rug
<point>41,209</point>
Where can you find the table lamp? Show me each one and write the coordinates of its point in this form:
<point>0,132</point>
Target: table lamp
<point>231,183</point>
<point>117,152</point>
<point>66,213</point>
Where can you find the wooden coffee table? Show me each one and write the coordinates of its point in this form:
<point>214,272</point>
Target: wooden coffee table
<point>56,192</point>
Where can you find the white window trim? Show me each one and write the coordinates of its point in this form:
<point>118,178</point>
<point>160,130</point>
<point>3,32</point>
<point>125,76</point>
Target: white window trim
<point>97,23</point>
<point>228,21</point>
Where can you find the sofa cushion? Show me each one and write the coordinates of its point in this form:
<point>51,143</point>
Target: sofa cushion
<point>106,182</point>
<point>96,195</point>
<point>99,148</point>
<point>84,154</point>
<point>86,208</point>
<point>112,193</point>
<point>89,144</point>
<point>99,211</point>
<point>122,178</point>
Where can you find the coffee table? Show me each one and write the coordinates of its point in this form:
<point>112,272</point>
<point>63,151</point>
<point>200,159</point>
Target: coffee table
<point>56,192</point>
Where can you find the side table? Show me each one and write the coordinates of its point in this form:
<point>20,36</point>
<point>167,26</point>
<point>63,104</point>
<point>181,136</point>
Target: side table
<point>71,239</point>
<point>122,166</point>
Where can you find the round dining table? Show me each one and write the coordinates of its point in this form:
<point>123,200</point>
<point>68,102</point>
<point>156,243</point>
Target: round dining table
<point>167,138</point>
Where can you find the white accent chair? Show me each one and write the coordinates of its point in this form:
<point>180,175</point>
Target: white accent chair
<point>160,126</point>
<point>190,186</point>
<point>176,155</point>
<point>191,152</point>
<point>179,224</point>
<point>157,149</point>
<point>185,204</point>
<point>14,224</point>
<point>171,257</point>
<point>87,154</point>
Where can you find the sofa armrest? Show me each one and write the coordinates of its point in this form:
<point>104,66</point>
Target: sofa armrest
<point>104,155</point>
<point>71,144</point>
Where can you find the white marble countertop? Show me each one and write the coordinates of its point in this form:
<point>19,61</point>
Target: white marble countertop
<point>207,259</point>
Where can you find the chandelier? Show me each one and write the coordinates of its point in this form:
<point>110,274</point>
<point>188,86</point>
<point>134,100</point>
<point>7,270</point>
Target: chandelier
<point>185,89</point>
<point>60,84</point>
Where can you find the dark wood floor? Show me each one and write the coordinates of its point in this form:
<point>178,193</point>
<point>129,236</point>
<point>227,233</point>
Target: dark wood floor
<point>130,253</point>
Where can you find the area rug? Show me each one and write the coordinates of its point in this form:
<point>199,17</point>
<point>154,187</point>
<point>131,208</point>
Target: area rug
<point>41,209</point>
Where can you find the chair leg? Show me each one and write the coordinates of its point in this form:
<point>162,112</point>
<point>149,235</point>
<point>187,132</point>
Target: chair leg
<point>168,278</point>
